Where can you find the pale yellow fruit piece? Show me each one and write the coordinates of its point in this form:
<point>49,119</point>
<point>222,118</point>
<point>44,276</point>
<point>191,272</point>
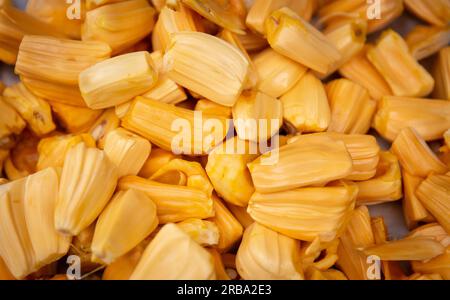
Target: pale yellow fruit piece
<point>172,254</point>
<point>305,213</point>
<point>126,221</point>
<point>87,183</point>
<point>267,255</point>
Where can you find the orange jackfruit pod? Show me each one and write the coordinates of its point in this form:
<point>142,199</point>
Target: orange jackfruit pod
<point>52,150</point>
<point>172,254</point>
<point>292,36</point>
<point>405,76</point>
<point>434,194</point>
<point>230,230</point>
<point>415,156</point>
<point>165,90</point>
<point>267,255</point>
<point>413,210</point>
<point>310,160</point>
<point>171,21</point>
<point>252,42</point>
<point>351,107</point>
<point>74,119</point>
<point>440,265</point>
<point>207,65</point>
<point>192,171</point>
<point>363,149</point>
<point>52,91</point>
<point>117,80</point>
<point>349,39</point>
<point>15,24</point>
<point>10,120</point>
<point>319,255</point>
<point>260,10</point>
<point>107,122</point>
<point>228,171</point>
<point>54,12</point>
<point>424,41</point>
<point>361,71</point>
<point>62,60</point>
<point>430,118</point>
<point>391,269</point>
<point>150,118</point>
<point>205,233</point>
<point>305,106</point>
<point>341,10</point>
<point>80,200</point>
<point>228,14</point>
<point>241,214</point>
<point>432,231</point>
<point>127,151</point>
<point>34,110</point>
<point>174,203</point>
<point>126,221</point>
<point>413,248</point>
<point>15,248</point>
<point>158,157</point>
<point>435,12</point>
<point>40,199</point>
<point>276,73</point>
<point>211,108</point>
<point>306,213</point>
<point>441,74</point>
<point>232,38</point>
<point>386,186</point>
<point>119,24</point>
<point>257,116</point>
<point>123,267</point>
<point>358,233</point>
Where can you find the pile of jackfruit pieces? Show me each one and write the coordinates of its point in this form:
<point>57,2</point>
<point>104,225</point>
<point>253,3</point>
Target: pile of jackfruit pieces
<point>95,177</point>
